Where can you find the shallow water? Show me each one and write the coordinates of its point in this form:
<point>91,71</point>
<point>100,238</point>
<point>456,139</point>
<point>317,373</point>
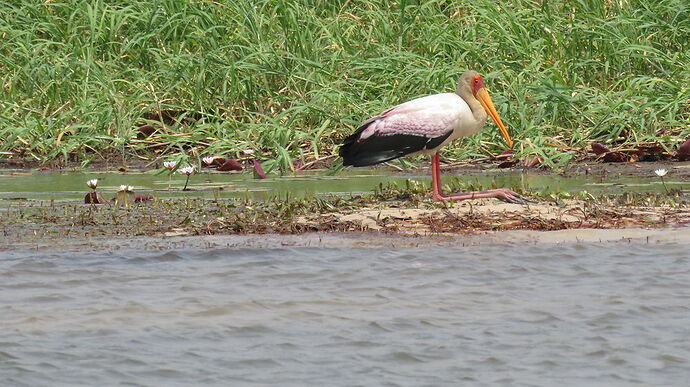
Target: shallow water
<point>543,314</point>
<point>68,185</point>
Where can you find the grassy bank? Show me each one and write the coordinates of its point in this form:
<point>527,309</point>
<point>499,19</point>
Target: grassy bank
<point>291,78</point>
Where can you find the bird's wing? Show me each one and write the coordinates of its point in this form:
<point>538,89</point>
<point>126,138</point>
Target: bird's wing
<point>422,123</point>
<point>430,116</point>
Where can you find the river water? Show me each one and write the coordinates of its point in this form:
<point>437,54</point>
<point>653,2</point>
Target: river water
<point>533,314</point>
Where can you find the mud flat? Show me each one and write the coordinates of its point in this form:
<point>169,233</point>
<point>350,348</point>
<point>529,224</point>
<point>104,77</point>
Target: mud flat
<point>340,222</point>
<point>392,216</point>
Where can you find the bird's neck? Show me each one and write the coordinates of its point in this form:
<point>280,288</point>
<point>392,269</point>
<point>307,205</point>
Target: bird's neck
<point>477,109</point>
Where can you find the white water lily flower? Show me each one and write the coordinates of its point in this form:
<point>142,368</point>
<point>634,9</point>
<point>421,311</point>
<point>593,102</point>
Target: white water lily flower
<point>93,183</point>
<point>170,165</point>
<point>208,160</point>
<point>126,188</point>
<point>661,172</point>
<point>186,170</point>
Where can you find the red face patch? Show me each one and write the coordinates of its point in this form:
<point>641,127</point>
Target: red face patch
<point>477,83</point>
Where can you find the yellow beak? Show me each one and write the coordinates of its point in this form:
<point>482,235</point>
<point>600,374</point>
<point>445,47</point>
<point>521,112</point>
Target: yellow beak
<point>488,105</point>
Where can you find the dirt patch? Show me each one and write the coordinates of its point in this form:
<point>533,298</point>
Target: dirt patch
<point>496,216</point>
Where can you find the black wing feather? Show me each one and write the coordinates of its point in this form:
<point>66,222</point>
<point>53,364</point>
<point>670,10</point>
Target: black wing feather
<point>378,149</point>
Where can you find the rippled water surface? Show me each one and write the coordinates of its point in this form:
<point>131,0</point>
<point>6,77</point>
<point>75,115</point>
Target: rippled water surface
<point>578,314</point>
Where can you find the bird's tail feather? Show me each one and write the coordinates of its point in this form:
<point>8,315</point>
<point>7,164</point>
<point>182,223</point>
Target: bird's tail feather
<point>378,148</point>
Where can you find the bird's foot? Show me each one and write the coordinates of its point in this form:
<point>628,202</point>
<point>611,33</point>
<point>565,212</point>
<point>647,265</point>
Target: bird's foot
<point>501,193</point>
<point>511,196</point>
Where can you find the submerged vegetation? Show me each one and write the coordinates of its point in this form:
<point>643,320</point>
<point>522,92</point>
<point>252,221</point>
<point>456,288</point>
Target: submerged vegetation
<point>84,80</point>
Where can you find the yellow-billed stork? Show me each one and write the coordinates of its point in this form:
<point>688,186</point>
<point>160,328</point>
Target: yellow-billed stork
<point>425,125</point>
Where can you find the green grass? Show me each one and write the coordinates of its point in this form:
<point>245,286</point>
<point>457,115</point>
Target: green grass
<point>292,78</point>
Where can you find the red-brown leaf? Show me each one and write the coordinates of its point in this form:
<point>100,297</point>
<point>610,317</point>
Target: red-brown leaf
<point>230,165</point>
<point>94,198</point>
<point>146,131</point>
<point>599,148</point>
<point>258,170</point>
<point>138,198</point>
<point>533,162</point>
<point>507,163</point>
<point>684,151</point>
<point>616,157</point>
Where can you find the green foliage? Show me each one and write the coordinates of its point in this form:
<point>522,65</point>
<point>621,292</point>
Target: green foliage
<point>288,77</point>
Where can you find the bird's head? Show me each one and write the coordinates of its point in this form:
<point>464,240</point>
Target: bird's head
<point>472,83</point>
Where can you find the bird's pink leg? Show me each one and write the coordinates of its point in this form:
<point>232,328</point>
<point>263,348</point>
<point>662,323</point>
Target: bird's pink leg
<point>500,193</point>
<point>436,177</point>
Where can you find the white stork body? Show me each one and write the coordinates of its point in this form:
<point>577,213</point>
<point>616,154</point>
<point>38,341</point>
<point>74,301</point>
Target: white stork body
<point>430,117</point>
<point>425,125</point>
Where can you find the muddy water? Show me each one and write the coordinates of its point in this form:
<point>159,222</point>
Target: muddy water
<point>72,185</point>
<point>541,314</point>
